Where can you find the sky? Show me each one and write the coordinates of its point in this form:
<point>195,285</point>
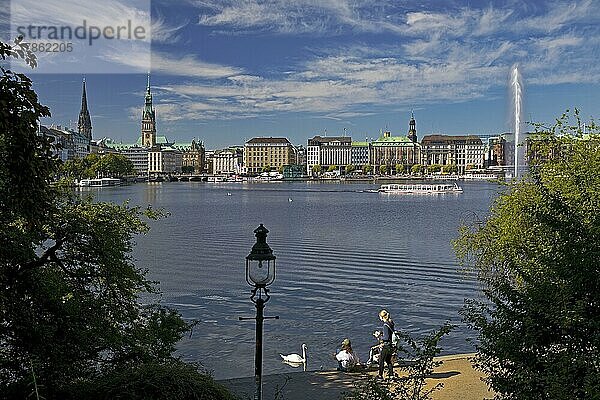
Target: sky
<point>228,70</point>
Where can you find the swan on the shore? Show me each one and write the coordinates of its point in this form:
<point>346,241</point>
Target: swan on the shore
<point>290,199</point>
<point>295,358</point>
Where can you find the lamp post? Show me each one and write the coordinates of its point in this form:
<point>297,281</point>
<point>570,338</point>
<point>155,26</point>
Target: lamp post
<point>260,273</point>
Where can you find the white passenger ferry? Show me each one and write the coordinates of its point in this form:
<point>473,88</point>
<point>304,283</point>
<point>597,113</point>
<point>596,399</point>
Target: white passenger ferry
<point>420,189</point>
<point>99,182</point>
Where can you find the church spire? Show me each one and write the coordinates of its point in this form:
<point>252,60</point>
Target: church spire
<point>84,123</point>
<point>412,128</point>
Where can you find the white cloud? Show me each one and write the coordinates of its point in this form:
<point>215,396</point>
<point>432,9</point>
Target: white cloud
<point>187,65</point>
<point>444,56</point>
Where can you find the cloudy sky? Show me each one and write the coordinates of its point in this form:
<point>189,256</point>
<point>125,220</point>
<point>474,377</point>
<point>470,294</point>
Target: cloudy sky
<point>227,70</point>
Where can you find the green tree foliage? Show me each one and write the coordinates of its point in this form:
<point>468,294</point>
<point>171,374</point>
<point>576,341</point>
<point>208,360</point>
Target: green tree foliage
<point>416,169</point>
<point>94,165</point>
<point>69,305</point>
<point>434,168</point>
<point>316,169</point>
<point>350,168</point>
<point>399,168</point>
<point>114,166</point>
<point>266,168</point>
<point>537,256</point>
<point>367,169</point>
<point>172,380</point>
<point>446,169</point>
<point>383,169</point>
<point>332,168</point>
<point>188,169</point>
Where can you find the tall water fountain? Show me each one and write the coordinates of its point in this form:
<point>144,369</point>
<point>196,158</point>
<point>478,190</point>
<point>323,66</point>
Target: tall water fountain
<point>516,85</point>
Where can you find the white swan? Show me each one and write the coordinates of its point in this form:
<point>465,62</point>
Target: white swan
<point>290,199</point>
<point>295,358</point>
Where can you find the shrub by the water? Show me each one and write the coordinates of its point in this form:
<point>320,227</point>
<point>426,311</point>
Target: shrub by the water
<point>174,380</point>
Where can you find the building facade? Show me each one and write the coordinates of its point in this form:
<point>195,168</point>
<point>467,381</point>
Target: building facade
<point>466,152</point>
<point>164,160</point>
<point>228,161</point>
<point>261,152</point>
<point>359,154</point>
<point>328,151</point>
<point>390,151</point>
<point>192,156</point>
<point>138,155</point>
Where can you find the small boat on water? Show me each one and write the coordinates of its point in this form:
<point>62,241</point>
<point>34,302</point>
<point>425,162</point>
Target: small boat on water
<point>99,182</point>
<point>420,189</point>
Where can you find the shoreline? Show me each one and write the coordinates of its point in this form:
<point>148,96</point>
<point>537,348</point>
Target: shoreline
<point>457,374</point>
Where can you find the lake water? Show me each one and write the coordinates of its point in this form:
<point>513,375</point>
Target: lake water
<point>342,255</point>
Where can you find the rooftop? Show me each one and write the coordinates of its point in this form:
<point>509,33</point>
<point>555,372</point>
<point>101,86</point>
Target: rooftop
<point>448,139</point>
<point>268,140</point>
<point>330,139</point>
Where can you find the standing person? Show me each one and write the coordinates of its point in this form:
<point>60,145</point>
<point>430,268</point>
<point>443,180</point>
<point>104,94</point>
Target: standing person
<point>387,352</point>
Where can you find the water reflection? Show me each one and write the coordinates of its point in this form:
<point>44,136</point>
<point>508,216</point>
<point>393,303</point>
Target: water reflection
<point>343,254</point>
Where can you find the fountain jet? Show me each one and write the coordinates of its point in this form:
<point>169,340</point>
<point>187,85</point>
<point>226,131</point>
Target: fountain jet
<point>516,85</point>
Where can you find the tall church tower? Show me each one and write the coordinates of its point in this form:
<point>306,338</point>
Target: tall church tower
<point>84,124</point>
<point>412,128</point>
<point>148,120</point>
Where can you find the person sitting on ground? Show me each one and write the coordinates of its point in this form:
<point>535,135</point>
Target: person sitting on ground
<point>348,361</point>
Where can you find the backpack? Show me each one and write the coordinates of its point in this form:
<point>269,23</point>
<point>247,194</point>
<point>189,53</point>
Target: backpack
<point>396,339</point>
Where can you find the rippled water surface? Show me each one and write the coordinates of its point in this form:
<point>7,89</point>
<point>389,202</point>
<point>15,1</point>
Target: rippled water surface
<point>342,255</point>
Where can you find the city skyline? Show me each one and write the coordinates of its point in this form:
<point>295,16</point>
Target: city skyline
<point>227,71</point>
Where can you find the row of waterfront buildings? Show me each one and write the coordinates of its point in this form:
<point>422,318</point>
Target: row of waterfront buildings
<point>155,154</point>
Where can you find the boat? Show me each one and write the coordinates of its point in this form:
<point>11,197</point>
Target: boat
<point>420,189</point>
<point>99,182</point>
<point>485,177</point>
<point>269,177</point>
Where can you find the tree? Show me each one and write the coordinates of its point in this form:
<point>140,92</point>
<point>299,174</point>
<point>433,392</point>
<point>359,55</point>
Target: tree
<point>266,168</point>
<point>350,168</point>
<point>188,169</point>
<point>399,168</point>
<point>280,169</point>
<point>383,169</point>
<point>316,169</point>
<point>332,168</point>
<point>368,169</point>
<point>416,169</point>
<point>434,168</point>
<point>69,309</point>
<point>113,165</point>
<point>537,256</point>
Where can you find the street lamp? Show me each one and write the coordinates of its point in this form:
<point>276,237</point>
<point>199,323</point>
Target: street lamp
<point>260,273</point>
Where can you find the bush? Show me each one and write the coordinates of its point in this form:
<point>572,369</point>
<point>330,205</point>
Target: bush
<point>172,380</point>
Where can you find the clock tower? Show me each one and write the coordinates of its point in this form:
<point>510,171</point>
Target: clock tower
<point>148,120</point>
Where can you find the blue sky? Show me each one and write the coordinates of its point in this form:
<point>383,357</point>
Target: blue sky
<point>225,71</point>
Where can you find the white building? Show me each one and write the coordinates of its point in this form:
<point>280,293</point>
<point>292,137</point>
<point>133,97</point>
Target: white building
<point>164,160</point>
<point>328,151</point>
<point>228,161</point>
